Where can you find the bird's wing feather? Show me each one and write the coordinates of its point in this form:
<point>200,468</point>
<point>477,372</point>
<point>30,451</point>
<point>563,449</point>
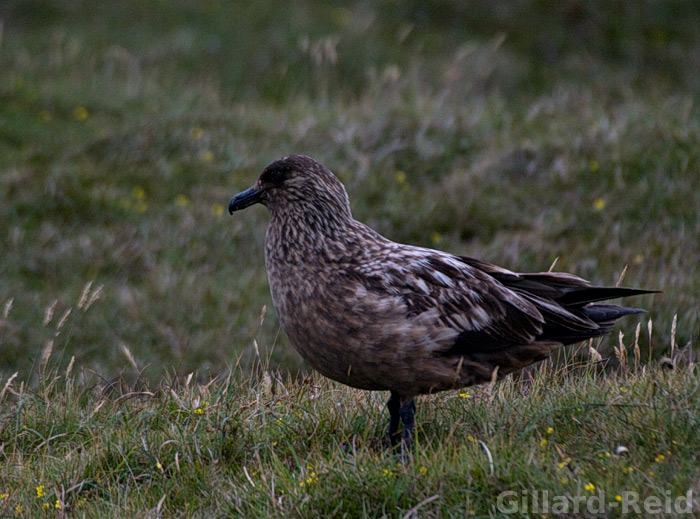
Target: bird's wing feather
<point>562,287</point>
<point>486,314</point>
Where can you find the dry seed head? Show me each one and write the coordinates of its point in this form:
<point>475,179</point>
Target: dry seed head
<point>673,334</point>
<point>7,384</point>
<point>266,385</point>
<point>85,294</point>
<point>129,356</point>
<point>622,276</point>
<point>63,319</point>
<point>637,352</point>
<point>621,351</point>
<point>94,297</point>
<point>70,366</point>
<point>649,328</point>
<point>48,315</point>
<point>46,354</point>
<point>595,355</point>
<point>8,307</point>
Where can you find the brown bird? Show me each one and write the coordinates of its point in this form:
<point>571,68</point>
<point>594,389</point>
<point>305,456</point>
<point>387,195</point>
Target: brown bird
<point>379,315</point>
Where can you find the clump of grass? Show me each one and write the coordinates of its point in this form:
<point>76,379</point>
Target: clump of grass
<point>258,443</point>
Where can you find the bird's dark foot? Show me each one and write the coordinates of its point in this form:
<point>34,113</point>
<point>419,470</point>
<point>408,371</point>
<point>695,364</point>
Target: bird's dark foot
<point>404,412</point>
<point>394,406</point>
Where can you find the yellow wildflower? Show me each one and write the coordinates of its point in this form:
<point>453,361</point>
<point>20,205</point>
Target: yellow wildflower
<point>423,471</point>
<point>206,156</point>
<point>138,193</point>
<point>182,200</point>
<point>599,204</point>
<point>550,430</point>
<point>4,496</point>
<point>400,177</point>
<point>217,210</point>
<point>196,133</point>
<point>590,487</point>
<point>543,442</point>
<point>465,395</point>
<point>40,491</point>
<point>57,505</point>
<point>81,113</point>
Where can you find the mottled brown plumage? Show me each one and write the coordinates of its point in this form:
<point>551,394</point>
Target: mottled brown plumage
<point>379,315</point>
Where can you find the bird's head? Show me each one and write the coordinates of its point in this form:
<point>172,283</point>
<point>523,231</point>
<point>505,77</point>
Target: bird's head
<point>296,184</point>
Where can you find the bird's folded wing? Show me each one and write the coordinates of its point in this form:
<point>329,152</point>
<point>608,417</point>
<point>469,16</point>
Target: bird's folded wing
<point>482,311</point>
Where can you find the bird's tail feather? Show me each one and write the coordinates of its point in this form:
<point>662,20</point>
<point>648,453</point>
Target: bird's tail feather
<point>603,318</point>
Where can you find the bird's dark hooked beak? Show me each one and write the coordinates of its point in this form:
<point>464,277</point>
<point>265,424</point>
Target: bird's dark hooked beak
<point>247,198</point>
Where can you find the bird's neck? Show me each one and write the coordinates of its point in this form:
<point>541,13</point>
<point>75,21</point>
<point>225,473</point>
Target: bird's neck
<point>300,236</point>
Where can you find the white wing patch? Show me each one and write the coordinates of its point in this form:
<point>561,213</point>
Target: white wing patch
<point>442,278</point>
<point>479,317</point>
<point>422,286</point>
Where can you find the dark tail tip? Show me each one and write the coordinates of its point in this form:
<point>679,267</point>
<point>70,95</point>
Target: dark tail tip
<point>609,313</point>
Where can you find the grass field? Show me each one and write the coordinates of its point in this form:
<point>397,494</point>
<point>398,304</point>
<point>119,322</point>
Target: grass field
<point>521,133</point>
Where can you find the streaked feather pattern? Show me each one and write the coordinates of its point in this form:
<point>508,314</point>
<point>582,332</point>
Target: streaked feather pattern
<point>376,314</point>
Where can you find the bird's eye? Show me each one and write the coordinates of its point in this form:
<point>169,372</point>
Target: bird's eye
<point>274,177</point>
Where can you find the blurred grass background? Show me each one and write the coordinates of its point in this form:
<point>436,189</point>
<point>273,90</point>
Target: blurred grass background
<point>517,132</point>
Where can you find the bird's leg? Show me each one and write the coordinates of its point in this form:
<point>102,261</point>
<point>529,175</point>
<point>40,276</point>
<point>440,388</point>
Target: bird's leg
<point>394,405</point>
<point>407,412</point>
